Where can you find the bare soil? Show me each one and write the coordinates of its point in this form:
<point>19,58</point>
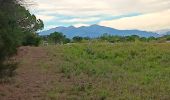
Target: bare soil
<point>30,82</point>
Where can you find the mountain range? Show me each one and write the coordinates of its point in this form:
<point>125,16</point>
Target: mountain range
<point>94,31</point>
<point>163,32</point>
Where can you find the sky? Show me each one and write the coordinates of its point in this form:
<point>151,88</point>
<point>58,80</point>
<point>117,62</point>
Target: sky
<point>149,15</point>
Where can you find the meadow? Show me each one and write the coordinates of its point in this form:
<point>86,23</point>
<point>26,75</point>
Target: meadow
<point>110,71</point>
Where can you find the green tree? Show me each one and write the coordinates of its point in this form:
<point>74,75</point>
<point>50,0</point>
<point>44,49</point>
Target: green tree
<point>77,39</point>
<point>66,40</point>
<point>15,22</point>
<point>167,37</point>
<point>132,38</point>
<point>111,38</point>
<point>57,37</point>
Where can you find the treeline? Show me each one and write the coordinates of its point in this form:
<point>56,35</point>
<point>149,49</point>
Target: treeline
<point>17,27</point>
<point>59,38</point>
<point>133,38</point>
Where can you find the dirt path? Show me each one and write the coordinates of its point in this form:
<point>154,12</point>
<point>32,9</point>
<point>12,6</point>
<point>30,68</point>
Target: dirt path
<point>30,83</point>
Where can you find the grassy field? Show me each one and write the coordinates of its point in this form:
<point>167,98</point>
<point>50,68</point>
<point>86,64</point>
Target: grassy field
<point>104,71</point>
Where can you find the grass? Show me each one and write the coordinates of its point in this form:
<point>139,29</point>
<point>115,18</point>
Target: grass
<point>120,71</point>
<point>7,71</point>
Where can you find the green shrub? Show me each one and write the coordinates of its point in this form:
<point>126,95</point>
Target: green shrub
<point>31,39</point>
<point>77,39</point>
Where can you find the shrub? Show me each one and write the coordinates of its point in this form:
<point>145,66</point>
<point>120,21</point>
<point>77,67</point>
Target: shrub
<point>77,39</point>
<point>58,38</point>
<point>31,39</point>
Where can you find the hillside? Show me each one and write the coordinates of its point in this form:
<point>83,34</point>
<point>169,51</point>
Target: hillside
<point>97,31</point>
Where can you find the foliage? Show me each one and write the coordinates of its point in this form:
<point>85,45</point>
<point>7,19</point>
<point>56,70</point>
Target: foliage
<point>31,39</point>
<point>60,38</point>
<point>167,37</point>
<point>15,21</point>
<point>57,37</point>
<point>132,38</point>
<point>66,40</point>
<point>77,39</point>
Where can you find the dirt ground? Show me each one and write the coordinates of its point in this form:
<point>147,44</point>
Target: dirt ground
<point>30,82</point>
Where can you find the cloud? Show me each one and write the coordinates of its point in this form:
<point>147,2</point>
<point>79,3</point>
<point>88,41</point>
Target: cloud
<point>151,21</point>
<point>83,11</point>
<point>79,25</point>
<point>79,20</point>
<point>50,26</point>
<point>77,7</point>
<point>45,17</point>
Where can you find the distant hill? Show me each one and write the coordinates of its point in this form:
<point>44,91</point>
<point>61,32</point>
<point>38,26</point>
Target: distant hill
<point>164,32</point>
<point>96,31</point>
<point>167,33</point>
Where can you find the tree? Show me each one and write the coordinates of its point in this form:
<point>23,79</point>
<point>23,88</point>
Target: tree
<point>77,39</point>
<point>15,22</point>
<point>132,38</point>
<point>86,38</point>
<point>167,37</point>
<point>57,37</point>
<point>66,40</point>
<point>111,38</point>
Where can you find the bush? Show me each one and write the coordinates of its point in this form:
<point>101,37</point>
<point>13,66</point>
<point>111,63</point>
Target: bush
<point>66,40</point>
<point>77,39</point>
<point>7,70</point>
<point>32,40</point>
<point>58,38</point>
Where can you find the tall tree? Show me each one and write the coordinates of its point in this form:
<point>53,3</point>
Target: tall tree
<point>15,22</point>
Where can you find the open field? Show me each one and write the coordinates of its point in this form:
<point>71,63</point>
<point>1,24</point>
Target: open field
<point>91,71</point>
<point>102,71</point>
<point>84,50</point>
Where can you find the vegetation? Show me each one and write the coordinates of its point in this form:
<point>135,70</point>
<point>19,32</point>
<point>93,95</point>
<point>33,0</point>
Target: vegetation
<point>59,38</point>
<point>31,39</point>
<point>77,39</point>
<point>104,68</point>
<point>133,38</point>
<point>15,25</point>
<point>102,71</point>
<point>56,38</point>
